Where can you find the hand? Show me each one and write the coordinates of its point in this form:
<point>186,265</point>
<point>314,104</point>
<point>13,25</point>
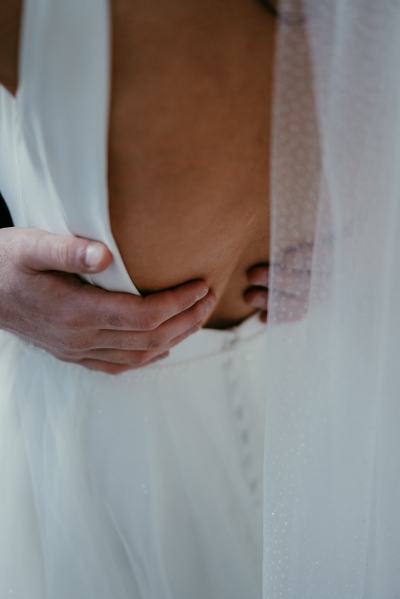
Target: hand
<point>44,301</point>
<point>291,280</point>
<point>257,294</point>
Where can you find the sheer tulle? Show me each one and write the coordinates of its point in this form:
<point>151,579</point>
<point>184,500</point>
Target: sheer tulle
<point>332,489</point>
<point>144,486</point>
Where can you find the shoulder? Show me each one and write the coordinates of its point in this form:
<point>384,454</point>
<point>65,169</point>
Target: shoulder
<point>10,21</point>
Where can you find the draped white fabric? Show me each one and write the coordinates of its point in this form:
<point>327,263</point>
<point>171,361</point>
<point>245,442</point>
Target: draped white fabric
<point>332,453</point>
<point>62,101</point>
<point>143,486</point>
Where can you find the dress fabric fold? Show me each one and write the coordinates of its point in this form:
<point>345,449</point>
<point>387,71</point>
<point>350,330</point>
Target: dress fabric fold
<point>332,459</point>
<point>143,486</point>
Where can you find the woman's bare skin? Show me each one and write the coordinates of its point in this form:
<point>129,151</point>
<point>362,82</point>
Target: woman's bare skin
<point>10,22</point>
<point>189,144</point>
<point>188,152</point>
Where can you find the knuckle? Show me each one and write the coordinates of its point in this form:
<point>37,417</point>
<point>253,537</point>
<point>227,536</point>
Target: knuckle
<point>64,357</point>
<point>62,253</point>
<point>141,358</point>
<point>64,343</point>
<point>155,342</point>
<point>56,251</point>
<point>124,358</point>
<point>68,252</point>
<point>81,345</point>
<point>70,343</point>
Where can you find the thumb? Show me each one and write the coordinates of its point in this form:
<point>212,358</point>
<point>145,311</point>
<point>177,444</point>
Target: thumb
<point>40,250</point>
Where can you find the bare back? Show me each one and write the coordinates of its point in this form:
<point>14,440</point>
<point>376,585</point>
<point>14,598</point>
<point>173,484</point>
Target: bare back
<point>188,140</point>
<point>189,144</point>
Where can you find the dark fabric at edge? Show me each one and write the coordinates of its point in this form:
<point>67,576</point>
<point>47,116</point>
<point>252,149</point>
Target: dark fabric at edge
<point>5,217</point>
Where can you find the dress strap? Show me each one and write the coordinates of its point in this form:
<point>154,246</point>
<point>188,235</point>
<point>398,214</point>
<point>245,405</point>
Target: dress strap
<point>64,107</point>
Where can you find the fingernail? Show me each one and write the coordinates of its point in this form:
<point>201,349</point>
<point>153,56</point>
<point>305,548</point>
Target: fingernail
<point>202,293</point>
<point>93,255</point>
<point>210,299</point>
<point>259,302</point>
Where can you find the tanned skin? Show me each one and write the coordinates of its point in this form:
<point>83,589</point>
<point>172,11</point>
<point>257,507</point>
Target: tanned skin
<point>189,137</point>
<point>10,20</point>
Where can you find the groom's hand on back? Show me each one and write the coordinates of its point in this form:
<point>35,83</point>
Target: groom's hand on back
<point>44,301</point>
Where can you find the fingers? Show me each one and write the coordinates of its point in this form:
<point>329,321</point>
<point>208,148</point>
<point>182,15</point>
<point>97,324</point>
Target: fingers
<point>126,312</point>
<point>108,368</point>
<point>290,282</point>
<point>161,338</point>
<point>103,366</point>
<point>167,304</point>
<point>118,361</point>
<point>41,251</point>
<point>257,294</point>
<point>188,321</point>
<point>115,361</point>
<point>110,363</point>
<point>129,359</point>
<point>257,297</point>
<point>258,275</point>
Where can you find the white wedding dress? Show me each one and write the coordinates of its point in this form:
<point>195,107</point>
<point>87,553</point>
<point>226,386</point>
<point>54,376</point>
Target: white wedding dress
<point>149,485</point>
<point>143,486</point>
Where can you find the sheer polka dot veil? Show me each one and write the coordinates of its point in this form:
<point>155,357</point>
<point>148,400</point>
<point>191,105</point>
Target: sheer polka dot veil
<point>332,454</point>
